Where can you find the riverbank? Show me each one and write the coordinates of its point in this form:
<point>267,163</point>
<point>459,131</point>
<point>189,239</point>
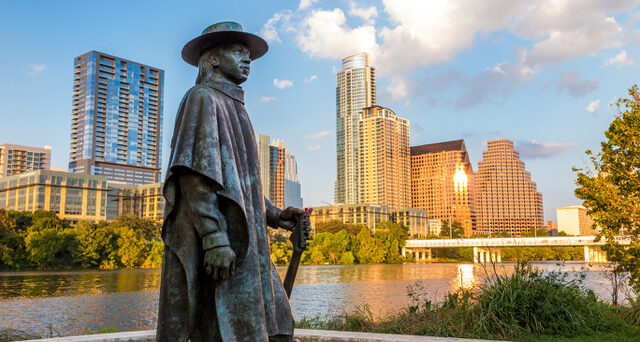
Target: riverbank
<point>46,304</point>
<point>528,305</point>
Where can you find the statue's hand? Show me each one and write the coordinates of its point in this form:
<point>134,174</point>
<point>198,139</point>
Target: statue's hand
<point>220,262</point>
<point>289,217</point>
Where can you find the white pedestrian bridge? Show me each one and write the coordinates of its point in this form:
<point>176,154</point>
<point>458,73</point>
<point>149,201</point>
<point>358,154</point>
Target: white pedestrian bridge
<point>488,249</point>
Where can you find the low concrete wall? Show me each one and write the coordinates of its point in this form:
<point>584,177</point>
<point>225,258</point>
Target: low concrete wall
<point>303,334</point>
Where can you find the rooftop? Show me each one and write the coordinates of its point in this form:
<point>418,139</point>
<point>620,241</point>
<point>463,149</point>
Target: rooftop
<point>453,145</point>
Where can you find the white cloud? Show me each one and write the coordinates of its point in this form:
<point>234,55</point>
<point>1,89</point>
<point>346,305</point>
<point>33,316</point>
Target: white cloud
<point>266,99</point>
<point>571,82</point>
<point>366,14</point>
<point>421,33</point>
<point>314,147</point>
<point>311,79</point>
<point>398,89</point>
<point>269,31</point>
<point>36,69</point>
<point>592,106</point>
<point>621,59</point>
<point>533,149</point>
<point>304,4</point>
<point>324,34</point>
<point>282,84</point>
<point>318,135</point>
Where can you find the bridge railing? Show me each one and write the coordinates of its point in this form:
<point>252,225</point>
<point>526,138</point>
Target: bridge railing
<point>512,242</point>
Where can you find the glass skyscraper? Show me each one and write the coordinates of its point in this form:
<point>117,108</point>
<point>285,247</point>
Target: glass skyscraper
<point>355,90</point>
<point>116,119</point>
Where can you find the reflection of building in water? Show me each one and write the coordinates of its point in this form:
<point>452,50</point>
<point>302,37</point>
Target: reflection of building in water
<point>371,215</point>
<point>466,278</point>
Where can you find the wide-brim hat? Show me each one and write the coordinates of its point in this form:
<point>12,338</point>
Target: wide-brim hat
<point>227,32</point>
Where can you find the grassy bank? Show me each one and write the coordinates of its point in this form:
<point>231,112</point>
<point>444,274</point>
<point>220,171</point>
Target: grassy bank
<point>528,305</point>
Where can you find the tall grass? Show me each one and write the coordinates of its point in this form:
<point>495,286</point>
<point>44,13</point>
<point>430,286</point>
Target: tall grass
<point>527,302</point>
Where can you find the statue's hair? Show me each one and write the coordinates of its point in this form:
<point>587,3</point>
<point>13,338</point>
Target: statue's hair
<point>205,69</point>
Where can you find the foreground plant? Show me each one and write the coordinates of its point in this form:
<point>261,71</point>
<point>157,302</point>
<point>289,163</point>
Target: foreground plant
<point>524,304</point>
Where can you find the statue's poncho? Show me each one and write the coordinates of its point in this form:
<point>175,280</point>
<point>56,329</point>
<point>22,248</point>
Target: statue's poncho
<point>214,138</point>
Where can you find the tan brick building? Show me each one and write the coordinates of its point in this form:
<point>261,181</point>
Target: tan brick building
<point>384,158</point>
<point>505,196</point>
<point>16,159</point>
<point>441,182</point>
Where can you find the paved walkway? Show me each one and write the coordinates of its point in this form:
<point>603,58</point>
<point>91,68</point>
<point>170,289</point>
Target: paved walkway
<point>304,335</point>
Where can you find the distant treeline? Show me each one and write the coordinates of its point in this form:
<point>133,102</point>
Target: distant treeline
<point>41,240</point>
<point>345,244</point>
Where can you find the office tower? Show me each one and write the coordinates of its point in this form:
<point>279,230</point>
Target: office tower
<point>574,220</point>
<point>384,158</point>
<point>116,119</point>
<point>441,182</point>
<point>263,154</point>
<point>506,198</point>
<point>292,189</point>
<point>15,159</point>
<point>73,197</point>
<point>278,166</point>
<point>355,90</point>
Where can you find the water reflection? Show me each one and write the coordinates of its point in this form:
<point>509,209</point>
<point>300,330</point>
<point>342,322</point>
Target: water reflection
<point>465,279</point>
<point>71,283</point>
<point>65,303</point>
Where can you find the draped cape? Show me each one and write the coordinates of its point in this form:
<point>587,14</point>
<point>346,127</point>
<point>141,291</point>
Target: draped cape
<point>213,138</point>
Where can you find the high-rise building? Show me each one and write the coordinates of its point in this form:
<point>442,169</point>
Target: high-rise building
<point>279,173</point>
<point>505,196</point>
<point>573,220</point>
<point>116,119</point>
<point>384,159</point>
<point>15,159</point>
<point>263,154</point>
<point>441,182</point>
<point>355,90</point>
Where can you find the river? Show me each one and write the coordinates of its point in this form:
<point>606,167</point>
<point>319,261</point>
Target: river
<point>43,304</point>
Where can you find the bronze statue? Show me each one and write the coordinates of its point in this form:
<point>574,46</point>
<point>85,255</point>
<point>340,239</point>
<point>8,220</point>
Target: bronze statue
<point>218,280</point>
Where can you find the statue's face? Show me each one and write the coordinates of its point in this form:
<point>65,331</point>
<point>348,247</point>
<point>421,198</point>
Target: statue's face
<point>234,63</point>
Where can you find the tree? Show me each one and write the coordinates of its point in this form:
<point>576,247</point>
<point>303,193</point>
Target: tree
<point>369,249</point>
<point>456,231</point>
<point>393,237</point>
<point>148,228</point>
<point>53,247</point>
<point>611,190</point>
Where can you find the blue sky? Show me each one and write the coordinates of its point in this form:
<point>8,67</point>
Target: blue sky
<point>541,73</point>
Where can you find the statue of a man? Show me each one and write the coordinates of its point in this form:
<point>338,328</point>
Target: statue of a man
<point>218,280</point>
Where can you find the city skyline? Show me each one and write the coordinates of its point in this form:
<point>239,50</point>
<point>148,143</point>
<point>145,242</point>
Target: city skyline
<point>504,77</point>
